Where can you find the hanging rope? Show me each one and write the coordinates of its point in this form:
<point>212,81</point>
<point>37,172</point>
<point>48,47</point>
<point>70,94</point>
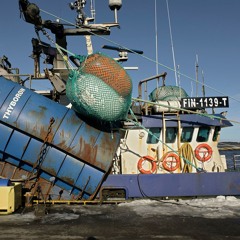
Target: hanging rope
<point>187,152</point>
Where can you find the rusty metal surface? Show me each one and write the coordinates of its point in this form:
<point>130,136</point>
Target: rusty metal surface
<point>76,154</point>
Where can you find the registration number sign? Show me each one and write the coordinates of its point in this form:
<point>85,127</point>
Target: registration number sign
<point>205,102</point>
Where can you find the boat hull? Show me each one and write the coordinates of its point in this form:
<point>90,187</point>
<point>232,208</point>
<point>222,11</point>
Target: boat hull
<point>76,154</point>
<point>174,185</point>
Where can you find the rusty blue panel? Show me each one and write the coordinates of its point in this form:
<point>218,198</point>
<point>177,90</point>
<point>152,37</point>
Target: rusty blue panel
<point>106,143</point>
<point>67,130</point>
<point>52,161</point>
<point>12,160</point>
<point>64,185</point>
<point>5,135</point>
<point>35,117</point>
<point>89,179</point>
<point>25,166</point>
<point>45,176</point>
<point>83,144</point>
<point>70,170</point>
<point>17,144</point>
<point>6,88</point>
<point>15,147</point>
<point>33,150</point>
<point>83,195</point>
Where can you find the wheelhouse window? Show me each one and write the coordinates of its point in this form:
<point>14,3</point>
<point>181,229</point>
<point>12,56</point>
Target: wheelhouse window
<point>187,134</point>
<point>203,134</point>
<point>153,135</point>
<point>171,134</point>
<point>216,133</point>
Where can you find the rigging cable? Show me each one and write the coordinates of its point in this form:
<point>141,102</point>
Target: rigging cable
<point>145,57</point>
<point>141,55</point>
<point>156,37</point>
<point>173,54</point>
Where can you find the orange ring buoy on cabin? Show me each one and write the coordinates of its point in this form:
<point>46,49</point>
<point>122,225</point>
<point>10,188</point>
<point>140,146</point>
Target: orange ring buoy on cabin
<point>203,155</point>
<point>171,162</point>
<point>149,159</point>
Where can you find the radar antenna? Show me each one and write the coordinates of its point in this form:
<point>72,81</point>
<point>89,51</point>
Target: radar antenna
<point>123,52</point>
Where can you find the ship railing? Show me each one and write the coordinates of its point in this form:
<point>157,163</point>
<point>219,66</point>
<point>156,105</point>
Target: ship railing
<point>236,162</point>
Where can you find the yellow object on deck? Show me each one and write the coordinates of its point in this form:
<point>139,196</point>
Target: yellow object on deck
<point>10,198</point>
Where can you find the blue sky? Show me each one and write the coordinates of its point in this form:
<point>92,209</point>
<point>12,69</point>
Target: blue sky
<point>207,28</point>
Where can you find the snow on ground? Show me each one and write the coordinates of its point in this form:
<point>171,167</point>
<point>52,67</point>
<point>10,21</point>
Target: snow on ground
<point>219,207</point>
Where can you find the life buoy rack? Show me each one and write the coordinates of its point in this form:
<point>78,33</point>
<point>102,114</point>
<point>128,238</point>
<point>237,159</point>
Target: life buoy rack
<point>171,162</point>
<point>149,159</point>
<point>201,154</point>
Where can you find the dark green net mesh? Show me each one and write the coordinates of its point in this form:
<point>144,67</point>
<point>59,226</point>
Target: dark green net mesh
<point>100,89</point>
<point>167,93</point>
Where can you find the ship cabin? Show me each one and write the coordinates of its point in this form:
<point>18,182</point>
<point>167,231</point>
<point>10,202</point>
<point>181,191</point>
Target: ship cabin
<point>163,137</point>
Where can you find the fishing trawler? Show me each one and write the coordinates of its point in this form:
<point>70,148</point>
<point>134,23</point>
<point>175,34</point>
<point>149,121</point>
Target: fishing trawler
<point>89,139</point>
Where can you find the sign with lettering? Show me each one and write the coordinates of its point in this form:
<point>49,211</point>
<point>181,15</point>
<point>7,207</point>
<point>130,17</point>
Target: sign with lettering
<point>204,102</point>
<point>13,103</point>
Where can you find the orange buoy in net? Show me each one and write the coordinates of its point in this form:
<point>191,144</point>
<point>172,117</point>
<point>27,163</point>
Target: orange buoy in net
<point>141,163</point>
<point>171,162</point>
<point>100,89</point>
<point>203,152</point>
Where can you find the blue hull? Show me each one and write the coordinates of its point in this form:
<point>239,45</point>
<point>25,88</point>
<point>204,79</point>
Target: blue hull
<point>175,185</point>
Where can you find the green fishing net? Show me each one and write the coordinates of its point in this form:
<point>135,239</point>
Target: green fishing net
<point>167,93</point>
<point>100,89</point>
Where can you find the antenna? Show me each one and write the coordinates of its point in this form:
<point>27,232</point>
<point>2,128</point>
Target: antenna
<point>78,6</point>
<point>93,12</point>
<point>203,85</point>
<point>179,75</point>
<point>173,55</point>
<point>156,36</point>
<point>197,75</point>
<point>115,5</point>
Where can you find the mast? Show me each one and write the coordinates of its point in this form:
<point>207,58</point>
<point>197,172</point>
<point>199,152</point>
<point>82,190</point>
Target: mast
<point>93,12</point>
<point>196,75</point>
<point>173,54</point>
<point>156,37</point>
<point>203,86</point>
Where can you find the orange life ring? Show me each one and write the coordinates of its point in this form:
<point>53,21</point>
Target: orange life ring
<point>149,159</point>
<point>171,162</point>
<point>203,155</point>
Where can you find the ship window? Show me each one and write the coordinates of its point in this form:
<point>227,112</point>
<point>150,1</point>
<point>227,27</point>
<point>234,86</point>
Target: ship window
<point>203,134</point>
<point>216,133</point>
<point>153,135</point>
<point>187,133</point>
<point>171,133</point>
